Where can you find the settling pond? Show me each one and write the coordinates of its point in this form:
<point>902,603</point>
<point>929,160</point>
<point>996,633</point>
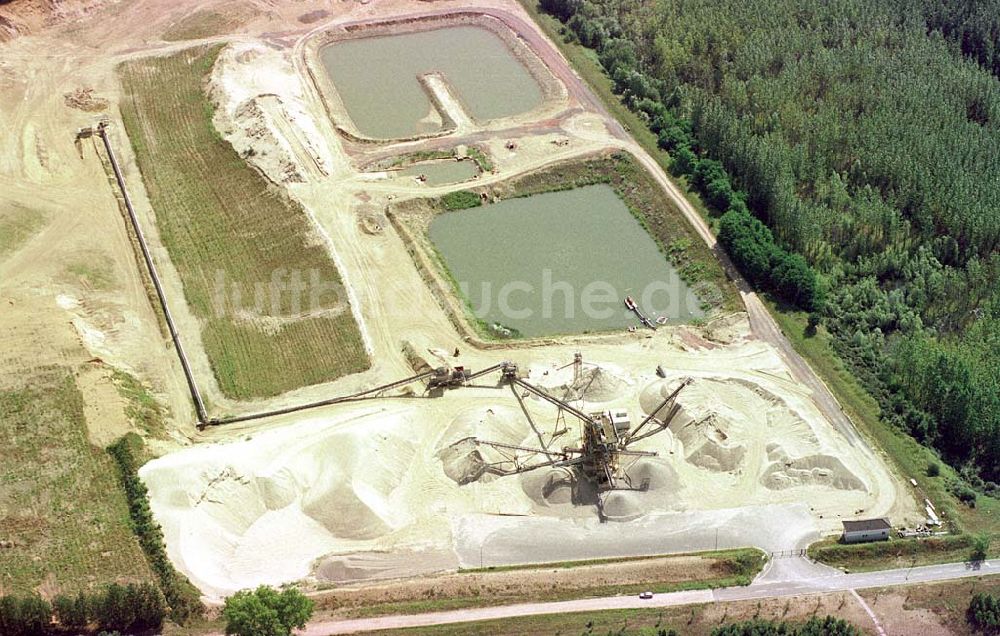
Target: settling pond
<point>560,263</point>
<point>377,78</point>
<point>443,171</point>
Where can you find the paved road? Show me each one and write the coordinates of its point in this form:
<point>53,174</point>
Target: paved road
<point>825,580</point>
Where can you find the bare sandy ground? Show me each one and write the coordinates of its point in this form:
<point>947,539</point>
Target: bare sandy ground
<point>358,491</point>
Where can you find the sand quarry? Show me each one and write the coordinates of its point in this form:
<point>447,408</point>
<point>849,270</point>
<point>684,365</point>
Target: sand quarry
<point>384,488</point>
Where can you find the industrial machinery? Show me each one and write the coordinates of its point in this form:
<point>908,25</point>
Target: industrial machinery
<point>602,454</point>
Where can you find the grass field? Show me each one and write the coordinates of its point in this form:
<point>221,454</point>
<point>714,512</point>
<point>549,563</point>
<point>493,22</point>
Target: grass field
<point>221,221</point>
<point>17,225</point>
<point>60,503</point>
<point>896,553</point>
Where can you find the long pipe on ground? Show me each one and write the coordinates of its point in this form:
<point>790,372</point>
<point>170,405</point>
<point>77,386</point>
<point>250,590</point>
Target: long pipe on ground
<point>171,327</point>
<point>319,403</point>
<point>203,419</point>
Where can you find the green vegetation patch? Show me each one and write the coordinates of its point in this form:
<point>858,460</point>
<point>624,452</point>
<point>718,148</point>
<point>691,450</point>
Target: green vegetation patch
<point>911,458</point>
<point>230,233</point>
<point>17,225</point>
<point>461,200</point>
<point>94,273</point>
<point>895,553</point>
<point>182,597</point>
<point>481,158</point>
<point>142,408</point>
<point>64,521</point>
<point>727,568</point>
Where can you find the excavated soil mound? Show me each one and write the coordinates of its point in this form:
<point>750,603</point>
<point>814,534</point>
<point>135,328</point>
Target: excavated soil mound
<point>707,443</point>
<point>623,505</point>
<point>594,384</point>
<point>565,486</point>
<point>658,472</point>
<point>555,486</point>
<point>822,470</point>
<point>653,395</point>
<point>462,461</point>
<point>461,458</point>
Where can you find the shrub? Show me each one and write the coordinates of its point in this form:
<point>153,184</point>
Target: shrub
<point>27,616</point>
<point>980,547</point>
<point>984,613</point>
<point>933,469</point>
<point>266,612</point>
<point>461,200</point>
<point>72,612</point>
<point>684,161</point>
<point>963,492</point>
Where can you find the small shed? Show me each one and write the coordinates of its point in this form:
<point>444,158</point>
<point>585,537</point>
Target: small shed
<point>864,530</point>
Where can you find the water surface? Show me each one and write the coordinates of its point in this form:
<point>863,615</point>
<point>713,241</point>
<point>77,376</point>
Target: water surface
<point>444,171</point>
<point>377,78</point>
<point>560,263</point>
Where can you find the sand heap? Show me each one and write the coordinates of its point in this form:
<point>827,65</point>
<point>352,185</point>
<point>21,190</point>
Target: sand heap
<point>705,440</point>
<point>222,507</point>
<point>548,487</point>
<point>825,470</point>
<point>732,425</point>
<point>595,383</point>
<point>461,458</point>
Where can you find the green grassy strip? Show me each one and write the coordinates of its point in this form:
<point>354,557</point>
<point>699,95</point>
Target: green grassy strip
<point>896,553</point>
<point>736,567</point>
<point>481,159</point>
<point>422,155</point>
<point>493,600</point>
<point>182,597</point>
<point>734,554</point>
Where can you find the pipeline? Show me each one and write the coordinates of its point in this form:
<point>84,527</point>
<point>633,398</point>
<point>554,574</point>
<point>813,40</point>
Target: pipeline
<point>218,421</point>
<point>199,404</point>
<point>203,419</point>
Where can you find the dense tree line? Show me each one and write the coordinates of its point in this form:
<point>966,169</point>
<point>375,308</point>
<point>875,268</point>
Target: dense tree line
<point>827,626</point>
<point>121,608</point>
<point>848,146</point>
<point>182,597</point>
